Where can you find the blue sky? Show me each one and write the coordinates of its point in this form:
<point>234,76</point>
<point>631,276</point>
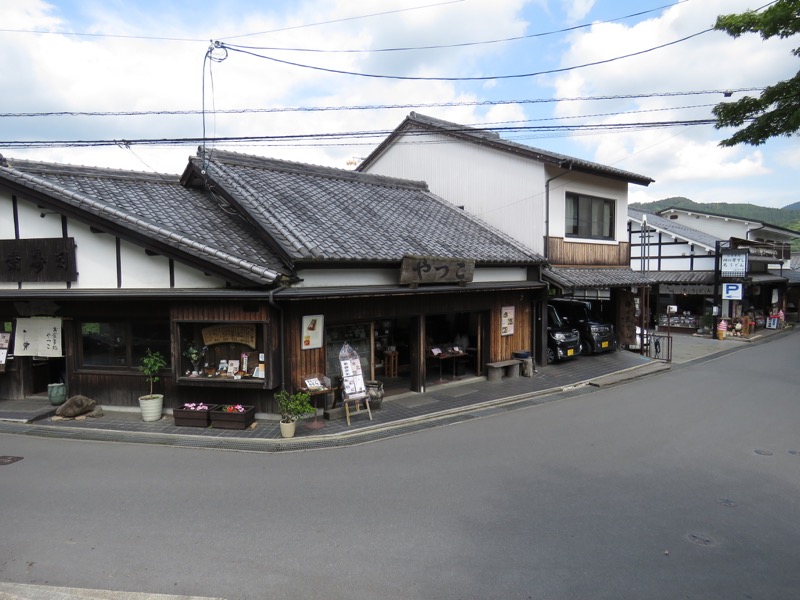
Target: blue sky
<point>113,56</point>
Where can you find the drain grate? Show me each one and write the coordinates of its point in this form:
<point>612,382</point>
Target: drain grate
<point>7,460</point>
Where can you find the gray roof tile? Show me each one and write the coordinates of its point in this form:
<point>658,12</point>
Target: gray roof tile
<point>566,278</point>
<point>320,214</point>
<point>156,206</point>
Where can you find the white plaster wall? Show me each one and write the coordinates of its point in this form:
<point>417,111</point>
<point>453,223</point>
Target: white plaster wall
<point>6,217</point>
<point>590,185</point>
<point>504,190</point>
<point>349,277</point>
<point>312,278</point>
<point>140,271</point>
<point>189,278</point>
<point>718,227</point>
<point>95,257</point>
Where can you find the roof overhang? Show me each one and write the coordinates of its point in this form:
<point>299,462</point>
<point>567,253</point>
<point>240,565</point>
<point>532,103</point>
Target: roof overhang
<point>571,279</point>
<point>308,293</point>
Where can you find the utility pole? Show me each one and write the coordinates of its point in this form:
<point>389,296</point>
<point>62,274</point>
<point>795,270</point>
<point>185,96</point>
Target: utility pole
<point>716,309</point>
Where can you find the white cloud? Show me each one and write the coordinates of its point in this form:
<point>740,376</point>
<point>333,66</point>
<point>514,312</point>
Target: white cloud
<point>577,9</point>
<point>676,158</point>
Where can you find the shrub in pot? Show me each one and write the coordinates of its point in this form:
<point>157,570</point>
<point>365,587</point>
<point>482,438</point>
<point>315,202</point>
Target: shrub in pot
<point>291,407</point>
<point>152,404</point>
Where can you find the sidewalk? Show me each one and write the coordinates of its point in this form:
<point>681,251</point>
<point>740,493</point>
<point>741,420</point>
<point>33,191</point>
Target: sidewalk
<point>453,402</point>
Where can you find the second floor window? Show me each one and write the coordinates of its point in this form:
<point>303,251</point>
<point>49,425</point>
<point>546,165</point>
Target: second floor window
<point>589,217</point>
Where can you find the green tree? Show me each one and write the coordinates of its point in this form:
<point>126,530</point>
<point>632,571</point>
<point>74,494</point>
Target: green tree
<point>777,111</point>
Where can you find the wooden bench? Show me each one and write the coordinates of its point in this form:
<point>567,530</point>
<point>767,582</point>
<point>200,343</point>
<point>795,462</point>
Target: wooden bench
<point>495,370</point>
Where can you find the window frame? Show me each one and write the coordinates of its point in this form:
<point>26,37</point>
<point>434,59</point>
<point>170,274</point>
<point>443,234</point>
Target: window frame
<point>585,224</point>
<point>127,328</point>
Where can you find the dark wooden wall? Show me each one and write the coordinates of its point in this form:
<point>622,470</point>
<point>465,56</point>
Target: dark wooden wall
<point>338,311</point>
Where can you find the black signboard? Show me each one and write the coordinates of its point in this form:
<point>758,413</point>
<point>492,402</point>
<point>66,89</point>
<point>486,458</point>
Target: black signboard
<point>38,260</point>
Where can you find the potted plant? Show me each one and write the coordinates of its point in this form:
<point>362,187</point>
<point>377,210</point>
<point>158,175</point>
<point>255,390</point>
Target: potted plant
<point>193,414</point>
<point>232,416</point>
<point>291,407</point>
<point>195,355</point>
<point>151,365</point>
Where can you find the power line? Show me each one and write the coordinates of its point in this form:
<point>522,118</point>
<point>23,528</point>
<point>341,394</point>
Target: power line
<point>344,135</point>
<point>474,78</point>
<point>368,106</point>
<point>464,44</point>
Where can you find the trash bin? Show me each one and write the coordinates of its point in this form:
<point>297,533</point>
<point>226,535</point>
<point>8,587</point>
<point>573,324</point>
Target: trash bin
<point>526,368</point>
<point>56,393</point>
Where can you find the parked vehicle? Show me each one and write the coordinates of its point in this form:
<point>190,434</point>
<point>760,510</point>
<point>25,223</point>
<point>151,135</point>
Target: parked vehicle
<point>596,336</point>
<point>562,341</point>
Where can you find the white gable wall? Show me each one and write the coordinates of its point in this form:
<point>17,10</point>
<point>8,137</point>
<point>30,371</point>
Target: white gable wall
<point>96,254</point>
<point>666,252</point>
<point>504,190</point>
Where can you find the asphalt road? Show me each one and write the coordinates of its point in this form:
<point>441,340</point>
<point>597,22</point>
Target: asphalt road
<point>685,484</point>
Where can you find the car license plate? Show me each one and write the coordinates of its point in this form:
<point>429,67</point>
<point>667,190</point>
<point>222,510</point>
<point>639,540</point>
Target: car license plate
<point>570,352</point>
<point>604,345</point>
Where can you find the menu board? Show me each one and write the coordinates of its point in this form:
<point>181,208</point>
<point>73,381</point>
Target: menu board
<point>352,375</point>
<point>5,340</point>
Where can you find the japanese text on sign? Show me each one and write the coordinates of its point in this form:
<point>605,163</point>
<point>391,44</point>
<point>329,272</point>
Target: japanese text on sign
<point>429,269</point>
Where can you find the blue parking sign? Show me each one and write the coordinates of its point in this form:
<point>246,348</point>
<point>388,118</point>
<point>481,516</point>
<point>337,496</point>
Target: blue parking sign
<point>732,291</point>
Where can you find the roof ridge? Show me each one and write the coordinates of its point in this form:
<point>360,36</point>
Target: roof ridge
<point>311,170</point>
<point>86,170</point>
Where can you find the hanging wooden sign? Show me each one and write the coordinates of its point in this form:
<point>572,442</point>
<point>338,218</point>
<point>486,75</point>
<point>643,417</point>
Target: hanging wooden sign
<point>230,334</point>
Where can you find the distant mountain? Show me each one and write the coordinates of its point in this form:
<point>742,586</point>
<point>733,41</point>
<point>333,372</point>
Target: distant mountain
<point>787,217</point>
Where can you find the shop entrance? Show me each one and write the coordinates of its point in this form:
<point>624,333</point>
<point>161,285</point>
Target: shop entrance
<point>399,352</point>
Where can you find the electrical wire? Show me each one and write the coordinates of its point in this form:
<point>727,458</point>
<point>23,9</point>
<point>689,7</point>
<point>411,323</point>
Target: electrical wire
<point>474,78</point>
<point>235,111</point>
<point>346,135</point>
<point>463,44</point>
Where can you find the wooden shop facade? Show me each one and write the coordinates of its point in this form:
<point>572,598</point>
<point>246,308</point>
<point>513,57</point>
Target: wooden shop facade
<point>248,274</point>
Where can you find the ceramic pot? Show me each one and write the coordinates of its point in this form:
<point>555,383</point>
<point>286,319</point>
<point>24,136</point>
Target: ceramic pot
<point>288,429</point>
<point>151,407</point>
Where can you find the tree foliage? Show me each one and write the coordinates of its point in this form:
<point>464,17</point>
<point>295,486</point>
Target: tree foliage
<point>777,111</point>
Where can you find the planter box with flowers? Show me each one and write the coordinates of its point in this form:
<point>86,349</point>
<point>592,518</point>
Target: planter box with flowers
<point>193,414</point>
<point>232,416</point>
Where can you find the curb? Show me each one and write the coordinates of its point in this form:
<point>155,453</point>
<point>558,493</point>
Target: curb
<point>339,440</point>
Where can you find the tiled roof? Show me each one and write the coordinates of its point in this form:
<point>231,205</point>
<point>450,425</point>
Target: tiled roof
<point>695,277</point>
<point>674,228</point>
<point>566,278</point>
<point>492,139</point>
<point>792,275</point>
<point>324,215</point>
<point>156,206</point>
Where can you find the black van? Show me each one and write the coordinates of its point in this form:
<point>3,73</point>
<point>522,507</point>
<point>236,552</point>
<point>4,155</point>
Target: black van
<point>562,341</point>
<point>596,336</point>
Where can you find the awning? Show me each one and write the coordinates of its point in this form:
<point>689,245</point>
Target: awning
<point>571,279</point>
<point>761,278</point>
<point>308,293</point>
<point>682,277</point>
